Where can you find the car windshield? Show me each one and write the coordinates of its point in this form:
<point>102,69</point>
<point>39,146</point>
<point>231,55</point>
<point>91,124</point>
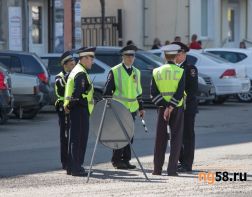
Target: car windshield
<point>215,58</point>
<point>154,57</point>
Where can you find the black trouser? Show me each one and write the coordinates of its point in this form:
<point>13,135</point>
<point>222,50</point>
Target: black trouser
<point>123,154</point>
<point>176,126</point>
<point>79,130</point>
<point>64,133</point>
<point>188,145</point>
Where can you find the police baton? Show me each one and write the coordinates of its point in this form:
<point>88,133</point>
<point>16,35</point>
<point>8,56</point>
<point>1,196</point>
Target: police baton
<point>144,125</point>
<point>169,134</point>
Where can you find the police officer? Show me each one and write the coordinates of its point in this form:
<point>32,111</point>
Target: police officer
<point>67,62</point>
<point>124,85</point>
<point>167,91</point>
<point>191,89</point>
<point>79,102</point>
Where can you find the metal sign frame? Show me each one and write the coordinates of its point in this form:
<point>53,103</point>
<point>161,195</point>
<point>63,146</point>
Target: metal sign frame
<point>107,104</point>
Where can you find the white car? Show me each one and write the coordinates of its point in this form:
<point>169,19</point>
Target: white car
<point>241,57</point>
<point>227,79</point>
<point>98,73</point>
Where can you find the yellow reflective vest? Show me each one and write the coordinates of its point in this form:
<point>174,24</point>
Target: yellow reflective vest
<point>70,87</point>
<point>60,98</point>
<point>127,88</point>
<point>167,78</point>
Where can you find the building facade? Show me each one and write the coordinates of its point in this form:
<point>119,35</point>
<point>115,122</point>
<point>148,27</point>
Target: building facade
<point>44,26</point>
<point>218,23</point>
<point>40,26</point>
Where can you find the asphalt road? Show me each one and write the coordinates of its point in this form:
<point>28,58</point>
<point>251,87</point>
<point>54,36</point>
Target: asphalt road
<point>32,146</point>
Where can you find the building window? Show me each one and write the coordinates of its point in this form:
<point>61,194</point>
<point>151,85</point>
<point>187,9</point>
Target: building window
<point>204,18</point>
<point>37,24</point>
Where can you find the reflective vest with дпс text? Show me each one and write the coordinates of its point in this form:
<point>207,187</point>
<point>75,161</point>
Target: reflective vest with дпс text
<point>70,87</point>
<point>127,88</point>
<point>60,97</point>
<point>167,78</point>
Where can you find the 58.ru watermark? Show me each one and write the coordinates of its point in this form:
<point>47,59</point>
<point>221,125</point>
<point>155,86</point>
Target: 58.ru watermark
<point>211,177</point>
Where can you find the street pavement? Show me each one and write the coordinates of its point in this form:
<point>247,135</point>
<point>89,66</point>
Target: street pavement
<point>30,164</point>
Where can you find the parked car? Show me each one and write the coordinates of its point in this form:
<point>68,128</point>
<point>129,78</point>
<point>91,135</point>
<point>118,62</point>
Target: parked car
<point>28,99</point>
<point>29,64</point>
<point>240,57</point>
<point>226,77</point>
<point>206,90</point>
<point>6,97</point>
<point>98,73</point>
<point>146,62</point>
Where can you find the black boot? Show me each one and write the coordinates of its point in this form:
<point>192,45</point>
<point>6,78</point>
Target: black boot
<point>129,166</point>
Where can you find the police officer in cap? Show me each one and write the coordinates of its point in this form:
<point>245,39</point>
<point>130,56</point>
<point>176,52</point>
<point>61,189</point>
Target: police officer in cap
<point>124,85</point>
<point>191,89</point>
<point>79,103</point>
<point>167,92</point>
<point>67,62</point>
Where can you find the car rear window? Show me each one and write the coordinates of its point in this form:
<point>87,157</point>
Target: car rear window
<point>31,65</point>
<point>215,58</point>
<point>109,59</point>
<point>233,57</point>
<point>12,63</point>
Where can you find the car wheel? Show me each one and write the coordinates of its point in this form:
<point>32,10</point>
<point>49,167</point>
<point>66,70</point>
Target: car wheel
<point>3,117</point>
<point>220,99</point>
<point>27,114</point>
<point>245,97</point>
<point>97,96</point>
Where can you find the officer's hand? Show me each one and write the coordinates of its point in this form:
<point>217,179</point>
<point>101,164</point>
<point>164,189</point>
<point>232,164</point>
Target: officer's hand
<point>66,109</point>
<point>141,113</point>
<point>168,112</point>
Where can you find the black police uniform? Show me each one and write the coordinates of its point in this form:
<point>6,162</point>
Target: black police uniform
<point>191,89</point>
<point>121,157</point>
<point>176,125</point>
<point>123,154</point>
<point>79,117</point>
<point>191,108</point>
<point>63,119</point>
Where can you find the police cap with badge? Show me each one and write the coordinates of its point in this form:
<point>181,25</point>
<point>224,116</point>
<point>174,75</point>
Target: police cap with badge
<point>86,51</point>
<point>129,50</point>
<point>65,57</point>
<point>171,49</point>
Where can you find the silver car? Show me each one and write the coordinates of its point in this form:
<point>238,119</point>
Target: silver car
<point>98,73</point>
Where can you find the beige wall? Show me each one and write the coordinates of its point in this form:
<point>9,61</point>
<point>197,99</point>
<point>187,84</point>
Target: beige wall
<point>92,8</point>
<point>163,18</point>
<point>167,18</point>
<point>133,21</point>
